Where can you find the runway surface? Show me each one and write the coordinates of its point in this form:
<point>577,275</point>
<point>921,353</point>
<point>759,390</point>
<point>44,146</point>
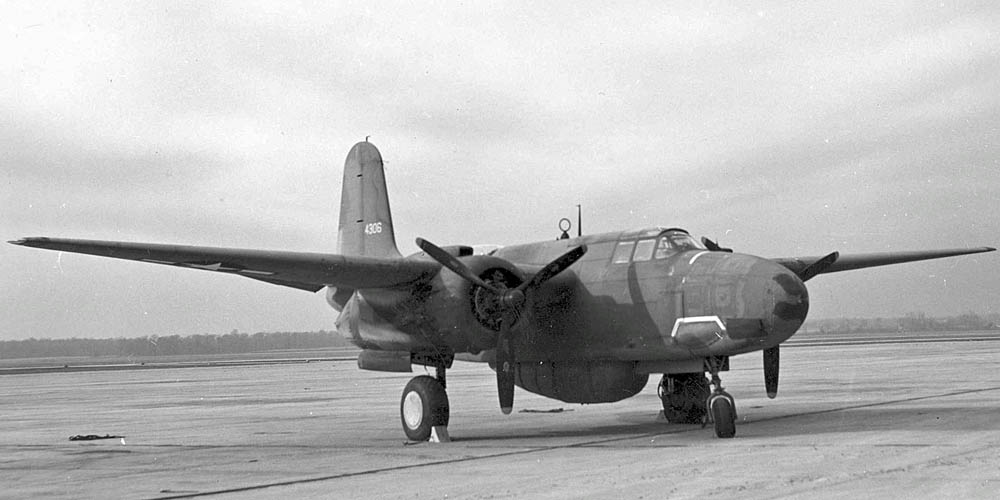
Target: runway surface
<point>889,419</point>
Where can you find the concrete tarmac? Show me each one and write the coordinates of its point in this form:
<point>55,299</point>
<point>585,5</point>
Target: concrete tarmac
<point>884,420</point>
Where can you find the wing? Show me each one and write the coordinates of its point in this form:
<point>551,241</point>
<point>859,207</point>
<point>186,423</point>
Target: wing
<point>863,260</point>
<point>305,271</point>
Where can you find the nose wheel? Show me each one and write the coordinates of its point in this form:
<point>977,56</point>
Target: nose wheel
<point>721,405</point>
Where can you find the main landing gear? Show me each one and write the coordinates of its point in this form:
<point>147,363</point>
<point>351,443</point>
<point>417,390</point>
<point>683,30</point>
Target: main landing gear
<point>424,405</point>
<point>686,399</point>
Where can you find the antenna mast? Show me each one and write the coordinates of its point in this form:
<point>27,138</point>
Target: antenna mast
<point>579,222</point>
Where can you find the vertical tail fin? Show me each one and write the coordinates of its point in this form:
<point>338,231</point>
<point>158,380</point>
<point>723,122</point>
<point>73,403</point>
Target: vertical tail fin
<point>365,219</point>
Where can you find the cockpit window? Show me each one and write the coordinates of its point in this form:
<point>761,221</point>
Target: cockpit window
<point>643,250</point>
<point>673,241</point>
<point>623,252</point>
<point>683,241</point>
<point>669,242</point>
<point>663,248</point>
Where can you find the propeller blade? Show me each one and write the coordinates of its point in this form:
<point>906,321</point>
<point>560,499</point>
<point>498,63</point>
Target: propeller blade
<point>505,364</point>
<point>555,267</point>
<point>818,266</point>
<point>713,246</point>
<point>771,371</point>
<point>452,263</point>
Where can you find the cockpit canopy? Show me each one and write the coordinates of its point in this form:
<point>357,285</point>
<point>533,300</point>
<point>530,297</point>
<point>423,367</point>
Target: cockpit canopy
<point>654,243</point>
<point>680,239</point>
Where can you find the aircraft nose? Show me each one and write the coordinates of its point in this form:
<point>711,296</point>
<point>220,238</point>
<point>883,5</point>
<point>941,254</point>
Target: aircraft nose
<point>789,301</point>
<point>756,302</point>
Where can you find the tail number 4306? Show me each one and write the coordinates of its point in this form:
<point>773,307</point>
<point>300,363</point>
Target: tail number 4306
<point>373,228</point>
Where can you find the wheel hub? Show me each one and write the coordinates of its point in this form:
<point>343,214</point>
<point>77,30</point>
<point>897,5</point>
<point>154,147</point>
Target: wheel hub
<point>413,409</point>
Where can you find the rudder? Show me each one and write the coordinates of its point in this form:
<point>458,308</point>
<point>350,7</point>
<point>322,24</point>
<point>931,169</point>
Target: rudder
<point>365,219</point>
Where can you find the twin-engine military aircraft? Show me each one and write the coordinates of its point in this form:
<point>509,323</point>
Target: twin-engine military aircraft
<point>581,320</point>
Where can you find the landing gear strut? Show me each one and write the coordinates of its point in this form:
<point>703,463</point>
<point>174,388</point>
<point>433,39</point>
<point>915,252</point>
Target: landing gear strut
<point>424,405</point>
<point>721,405</point>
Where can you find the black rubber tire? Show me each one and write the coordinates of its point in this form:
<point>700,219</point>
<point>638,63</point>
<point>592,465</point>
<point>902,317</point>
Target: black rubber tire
<point>424,405</point>
<point>686,404</point>
<point>724,415</point>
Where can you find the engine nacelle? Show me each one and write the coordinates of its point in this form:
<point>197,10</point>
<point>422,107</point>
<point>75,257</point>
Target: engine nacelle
<point>581,381</point>
<point>464,315</point>
<point>448,311</point>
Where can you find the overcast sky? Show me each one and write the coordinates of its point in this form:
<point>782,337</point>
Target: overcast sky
<point>781,129</point>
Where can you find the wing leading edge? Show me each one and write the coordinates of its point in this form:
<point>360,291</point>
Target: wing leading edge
<point>863,260</point>
<point>305,271</point>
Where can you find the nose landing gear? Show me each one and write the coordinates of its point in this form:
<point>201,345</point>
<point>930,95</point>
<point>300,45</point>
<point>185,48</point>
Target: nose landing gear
<point>721,405</point>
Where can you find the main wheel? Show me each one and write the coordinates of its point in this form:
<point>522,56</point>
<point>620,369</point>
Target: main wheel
<point>424,405</point>
<point>683,396</point>
<point>724,415</point>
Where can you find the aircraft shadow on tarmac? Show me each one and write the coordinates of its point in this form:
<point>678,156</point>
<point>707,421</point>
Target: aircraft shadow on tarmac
<point>594,433</point>
<point>966,417</point>
<point>963,417</point>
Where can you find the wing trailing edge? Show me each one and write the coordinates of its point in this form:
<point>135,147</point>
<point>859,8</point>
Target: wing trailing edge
<point>304,271</point>
<point>863,260</point>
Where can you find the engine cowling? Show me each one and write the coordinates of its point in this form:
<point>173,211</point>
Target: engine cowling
<point>581,381</point>
<point>462,315</point>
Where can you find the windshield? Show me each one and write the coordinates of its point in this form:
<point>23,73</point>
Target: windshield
<point>681,240</point>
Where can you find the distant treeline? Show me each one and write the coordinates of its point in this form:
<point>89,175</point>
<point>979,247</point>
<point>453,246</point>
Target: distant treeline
<point>240,343</point>
<point>231,343</point>
<point>912,322</point>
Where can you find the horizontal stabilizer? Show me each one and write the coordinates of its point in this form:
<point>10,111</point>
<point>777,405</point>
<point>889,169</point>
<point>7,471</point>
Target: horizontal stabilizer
<point>305,271</point>
<point>862,260</point>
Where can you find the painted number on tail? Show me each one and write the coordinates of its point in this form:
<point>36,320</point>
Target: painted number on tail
<point>373,228</point>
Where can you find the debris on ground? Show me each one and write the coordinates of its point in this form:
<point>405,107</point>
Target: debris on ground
<point>93,437</point>
<point>554,410</point>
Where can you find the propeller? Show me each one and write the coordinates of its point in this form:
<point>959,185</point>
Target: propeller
<point>817,267</point>
<point>771,355</point>
<point>713,246</point>
<point>512,301</point>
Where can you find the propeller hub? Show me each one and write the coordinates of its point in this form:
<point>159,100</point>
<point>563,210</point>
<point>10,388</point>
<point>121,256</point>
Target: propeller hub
<point>513,299</point>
